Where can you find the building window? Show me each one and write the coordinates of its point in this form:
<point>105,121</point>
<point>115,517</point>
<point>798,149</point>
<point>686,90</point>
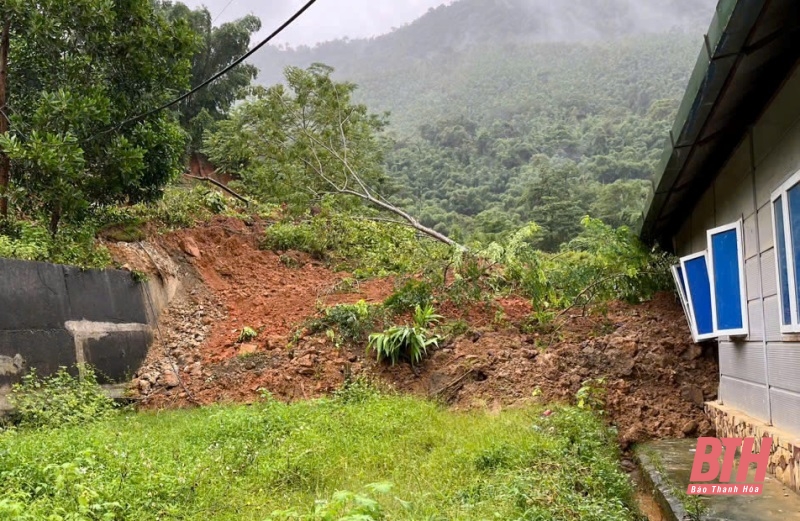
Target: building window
<point>726,277</point>
<point>698,296</point>
<point>677,274</point>
<point>786,230</point>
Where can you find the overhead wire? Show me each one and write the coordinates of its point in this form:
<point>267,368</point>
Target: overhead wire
<point>213,78</point>
<point>223,10</point>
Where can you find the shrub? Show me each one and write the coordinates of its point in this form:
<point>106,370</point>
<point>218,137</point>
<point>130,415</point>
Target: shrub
<point>412,294</point>
<point>600,265</point>
<point>592,395</point>
<point>406,342</point>
<point>74,245</point>
<point>365,247</point>
<point>60,400</point>
<point>348,322</point>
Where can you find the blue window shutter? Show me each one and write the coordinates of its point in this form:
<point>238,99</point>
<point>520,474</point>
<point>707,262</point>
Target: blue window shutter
<point>680,286</point>
<point>727,271</point>
<point>695,272</point>
<point>783,265</point>
<point>793,198</point>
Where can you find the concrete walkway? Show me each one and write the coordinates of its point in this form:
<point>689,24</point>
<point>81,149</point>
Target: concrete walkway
<point>668,463</point>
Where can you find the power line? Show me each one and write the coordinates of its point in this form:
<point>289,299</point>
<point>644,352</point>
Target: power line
<point>213,78</point>
<point>223,10</point>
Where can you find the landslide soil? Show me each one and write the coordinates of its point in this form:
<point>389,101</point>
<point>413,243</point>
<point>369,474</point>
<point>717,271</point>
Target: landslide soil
<point>654,378</point>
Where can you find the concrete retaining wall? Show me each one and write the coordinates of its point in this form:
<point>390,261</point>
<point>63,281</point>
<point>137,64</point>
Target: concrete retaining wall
<point>53,315</point>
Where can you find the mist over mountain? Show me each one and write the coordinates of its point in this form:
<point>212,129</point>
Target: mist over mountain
<point>510,111</point>
<point>464,24</point>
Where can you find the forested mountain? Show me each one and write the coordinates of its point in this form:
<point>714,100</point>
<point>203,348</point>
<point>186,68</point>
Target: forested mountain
<point>507,111</point>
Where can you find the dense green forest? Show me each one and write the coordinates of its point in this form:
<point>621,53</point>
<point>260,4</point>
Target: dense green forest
<point>507,111</point>
<point>476,119</point>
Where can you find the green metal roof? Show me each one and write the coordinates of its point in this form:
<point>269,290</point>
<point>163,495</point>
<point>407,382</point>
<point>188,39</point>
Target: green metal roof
<point>749,51</point>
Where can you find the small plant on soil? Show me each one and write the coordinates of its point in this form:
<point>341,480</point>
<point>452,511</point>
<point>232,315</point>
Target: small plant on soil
<point>59,400</point>
<point>456,328</point>
<point>289,261</point>
<point>346,322</point>
<point>139,276</point>
<point>406,342</point>
<point>592,395</point>
<point>346,285</point>
<point>247,334</point>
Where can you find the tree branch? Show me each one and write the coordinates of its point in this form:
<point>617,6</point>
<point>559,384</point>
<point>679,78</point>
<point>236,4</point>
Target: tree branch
<point>218,185</point>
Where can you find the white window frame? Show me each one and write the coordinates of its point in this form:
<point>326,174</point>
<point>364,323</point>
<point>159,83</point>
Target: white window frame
<point>679,286</point>
<point>783,193</point>
<point>744,330</point>
<point>693,320</point>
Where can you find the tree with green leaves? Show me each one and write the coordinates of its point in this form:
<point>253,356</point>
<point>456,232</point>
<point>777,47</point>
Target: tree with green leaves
<point>300,142</point>
<point>218,48</point>
<point>550,203</point>
<point>77,68</point>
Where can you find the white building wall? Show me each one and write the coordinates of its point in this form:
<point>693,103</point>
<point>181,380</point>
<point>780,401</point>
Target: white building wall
<point>759,375</point>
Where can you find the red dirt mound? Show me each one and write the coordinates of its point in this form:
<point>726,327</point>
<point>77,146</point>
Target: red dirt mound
<point>653,378</point>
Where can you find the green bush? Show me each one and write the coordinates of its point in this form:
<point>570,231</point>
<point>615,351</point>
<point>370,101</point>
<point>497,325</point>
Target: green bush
<point>347,322</point>
<point>59,400</point>
<point>600,265</point>
<point>77,245</point>
<point>357,244</point>
<point>406,342</point>
<point>412,294</point>
<point>73,245</point>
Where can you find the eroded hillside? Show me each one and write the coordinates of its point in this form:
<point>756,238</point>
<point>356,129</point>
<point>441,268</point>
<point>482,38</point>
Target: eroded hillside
<point>636,362</point>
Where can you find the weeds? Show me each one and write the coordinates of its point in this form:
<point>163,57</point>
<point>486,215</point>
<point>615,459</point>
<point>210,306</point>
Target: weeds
<point>357,389</point>
<point>343,506</point>
<point>245,462</point>
<point>59,400</point>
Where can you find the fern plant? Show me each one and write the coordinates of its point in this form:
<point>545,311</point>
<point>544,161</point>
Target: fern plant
<point>406,342</point>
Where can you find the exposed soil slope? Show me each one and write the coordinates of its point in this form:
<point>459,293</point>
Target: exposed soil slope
<point>655,378</point>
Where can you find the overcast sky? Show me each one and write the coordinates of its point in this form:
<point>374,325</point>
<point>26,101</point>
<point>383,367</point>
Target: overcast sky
<point>325,20</point>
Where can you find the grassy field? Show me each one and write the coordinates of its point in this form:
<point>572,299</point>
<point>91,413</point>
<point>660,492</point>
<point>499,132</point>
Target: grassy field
<point>357,456</point>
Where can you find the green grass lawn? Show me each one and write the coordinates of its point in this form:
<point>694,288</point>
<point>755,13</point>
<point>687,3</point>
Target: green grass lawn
<point>274,461</point>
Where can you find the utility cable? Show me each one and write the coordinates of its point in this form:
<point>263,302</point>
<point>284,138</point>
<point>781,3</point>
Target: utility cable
<point>213,78</point>
<point>223,10</point>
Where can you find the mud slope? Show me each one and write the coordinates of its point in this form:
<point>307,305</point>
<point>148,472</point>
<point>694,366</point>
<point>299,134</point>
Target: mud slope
<point>655,378</point>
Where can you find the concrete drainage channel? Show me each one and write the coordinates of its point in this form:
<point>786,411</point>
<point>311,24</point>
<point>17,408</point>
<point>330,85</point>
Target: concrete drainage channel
<point>664,468</point>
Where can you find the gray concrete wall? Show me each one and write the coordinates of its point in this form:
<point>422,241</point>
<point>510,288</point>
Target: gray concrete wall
<point>53,315</point>
<point>759,375</point>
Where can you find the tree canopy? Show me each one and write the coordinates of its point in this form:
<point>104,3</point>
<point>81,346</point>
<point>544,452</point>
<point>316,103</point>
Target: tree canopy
<point>218,47</point>
<point>77,68</point>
